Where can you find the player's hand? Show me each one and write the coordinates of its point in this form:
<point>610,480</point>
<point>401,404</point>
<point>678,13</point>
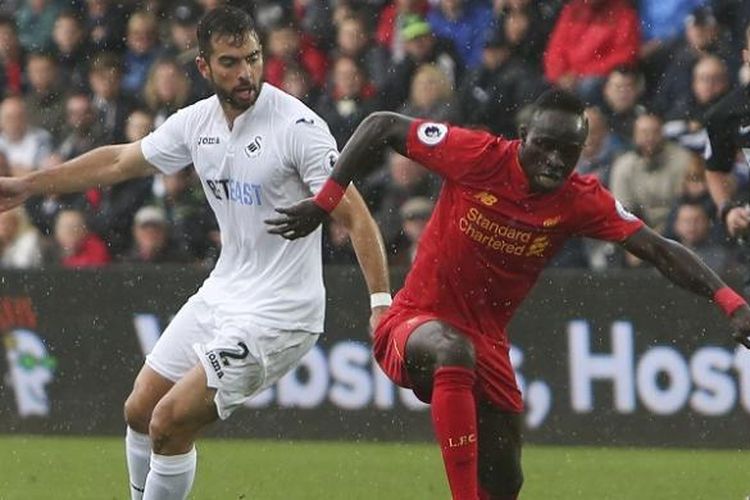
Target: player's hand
<point>13,192</point>
<point>740,321</point>
<point>299,220</point>
<point>375,316</point>
<point>738,221</point>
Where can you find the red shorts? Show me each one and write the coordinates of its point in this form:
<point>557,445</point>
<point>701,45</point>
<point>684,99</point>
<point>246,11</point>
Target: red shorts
<point>496,381</point>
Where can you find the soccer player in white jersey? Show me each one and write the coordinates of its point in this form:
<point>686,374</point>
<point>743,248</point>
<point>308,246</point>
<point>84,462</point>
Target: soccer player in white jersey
<point>255,148</point>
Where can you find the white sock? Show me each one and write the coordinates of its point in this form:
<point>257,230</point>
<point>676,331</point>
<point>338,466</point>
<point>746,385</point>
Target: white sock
<point>170,477</point>
<point>138,454</point>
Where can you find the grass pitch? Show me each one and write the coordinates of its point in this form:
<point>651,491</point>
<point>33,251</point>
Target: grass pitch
<point>34,468</point>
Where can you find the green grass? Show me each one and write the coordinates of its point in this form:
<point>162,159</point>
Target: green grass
<point>34,468</point>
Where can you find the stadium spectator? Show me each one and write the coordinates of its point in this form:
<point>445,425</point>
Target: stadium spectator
<point>167,89</point>
<point>464,22</point>
<point>407,179</point>
<point>26,147</point>
<point>193,226</point>
<point>430,95</point>
<point>112,218</point>
<point>111,104</point>
<point>589,40</point>
<point>82,134</point>
<point>601,149</point>
<point>296,82</point>
<point>348,100</point>
<point>702,37</point>
<point>648,180</point>
<point>491,95</point>
<point>684,120</point>
<point>663,20</point>
<point>183,45</point>
<point>35,20</point>
<point>45,99</point>
<point>526,25</point>
<point>12,59</point>
<point>422,47</point>
<point>392,18</point>
<point>142,51</point>
<point>105,21</point>
<point>621,95</point>
<point>20,243</point>
<point>285,46</point>
<point>692,228</point>
<point>316,22</point>
<point>71,48</point>
<point>151,238</point>
<point>74,246</point>
<point>414,213</point>
<point>337,247</point>
<point>353,40</point>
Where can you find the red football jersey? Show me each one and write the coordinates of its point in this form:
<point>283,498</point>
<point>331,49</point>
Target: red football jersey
<point>489,237</point>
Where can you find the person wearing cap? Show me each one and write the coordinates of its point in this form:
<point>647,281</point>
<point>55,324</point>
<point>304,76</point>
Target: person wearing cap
<point>492,94</point>
<point>151,239</point>
<point>421,46</point>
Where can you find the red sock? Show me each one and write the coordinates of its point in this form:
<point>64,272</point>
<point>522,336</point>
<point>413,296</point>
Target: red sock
<point>454,417</point>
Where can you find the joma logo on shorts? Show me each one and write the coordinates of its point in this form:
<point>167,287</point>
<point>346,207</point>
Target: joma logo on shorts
<point>214,360</point>
<point>221,357</point>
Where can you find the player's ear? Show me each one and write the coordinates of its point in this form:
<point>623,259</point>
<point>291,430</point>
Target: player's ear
<point>202,64</point>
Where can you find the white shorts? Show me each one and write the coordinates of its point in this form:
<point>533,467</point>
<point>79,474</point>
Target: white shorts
<point>240,358</point>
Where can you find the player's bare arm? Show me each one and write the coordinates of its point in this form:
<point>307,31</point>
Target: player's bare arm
<point>683,268</point>
<point>378,131</point>
<point>103,166</point>
<point>352,213</point>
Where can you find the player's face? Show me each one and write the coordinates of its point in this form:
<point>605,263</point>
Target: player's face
<point>551,148</point>
<point>234,70</point>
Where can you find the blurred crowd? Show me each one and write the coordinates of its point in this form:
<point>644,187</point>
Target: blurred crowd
<point>78,74</point>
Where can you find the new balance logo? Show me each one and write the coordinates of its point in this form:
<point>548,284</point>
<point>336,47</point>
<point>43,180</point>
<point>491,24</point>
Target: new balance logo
<point>486,198</point>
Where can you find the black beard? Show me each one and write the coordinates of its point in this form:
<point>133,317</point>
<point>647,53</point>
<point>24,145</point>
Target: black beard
<point>228,98</point>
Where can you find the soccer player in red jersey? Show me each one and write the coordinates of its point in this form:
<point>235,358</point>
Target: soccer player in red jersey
<point>505,208</point>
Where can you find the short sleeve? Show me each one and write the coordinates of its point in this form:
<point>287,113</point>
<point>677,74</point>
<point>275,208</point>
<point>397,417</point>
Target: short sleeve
<point>311,150</point>
<point>602,217</point>
<point>453,152</point>
<point>166,148</point>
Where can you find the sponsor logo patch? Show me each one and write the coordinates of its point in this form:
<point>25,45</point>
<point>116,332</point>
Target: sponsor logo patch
<point>431,134</point>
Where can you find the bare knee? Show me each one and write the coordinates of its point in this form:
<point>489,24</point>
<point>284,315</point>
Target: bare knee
<point>170,428</point>
<point>454,349</point>
<point>137,413</point>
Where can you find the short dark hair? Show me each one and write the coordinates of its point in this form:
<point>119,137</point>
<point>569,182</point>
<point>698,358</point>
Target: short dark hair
<point>556,99</point>
<point>225,21</point>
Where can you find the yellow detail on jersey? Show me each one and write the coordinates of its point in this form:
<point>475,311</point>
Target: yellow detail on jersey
<point>486,198</point>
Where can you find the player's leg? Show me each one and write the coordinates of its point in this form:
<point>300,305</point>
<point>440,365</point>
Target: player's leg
<point>440,362</point>
<point>500,474</point>
<point>177,419</point>
<point>170,359</point>
<point>148,389</point>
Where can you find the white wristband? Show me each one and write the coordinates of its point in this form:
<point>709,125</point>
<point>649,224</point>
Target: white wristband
<point>380,299</point>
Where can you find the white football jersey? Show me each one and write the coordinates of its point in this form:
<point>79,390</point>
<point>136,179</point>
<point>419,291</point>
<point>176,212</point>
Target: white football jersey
<point>277,153</point>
